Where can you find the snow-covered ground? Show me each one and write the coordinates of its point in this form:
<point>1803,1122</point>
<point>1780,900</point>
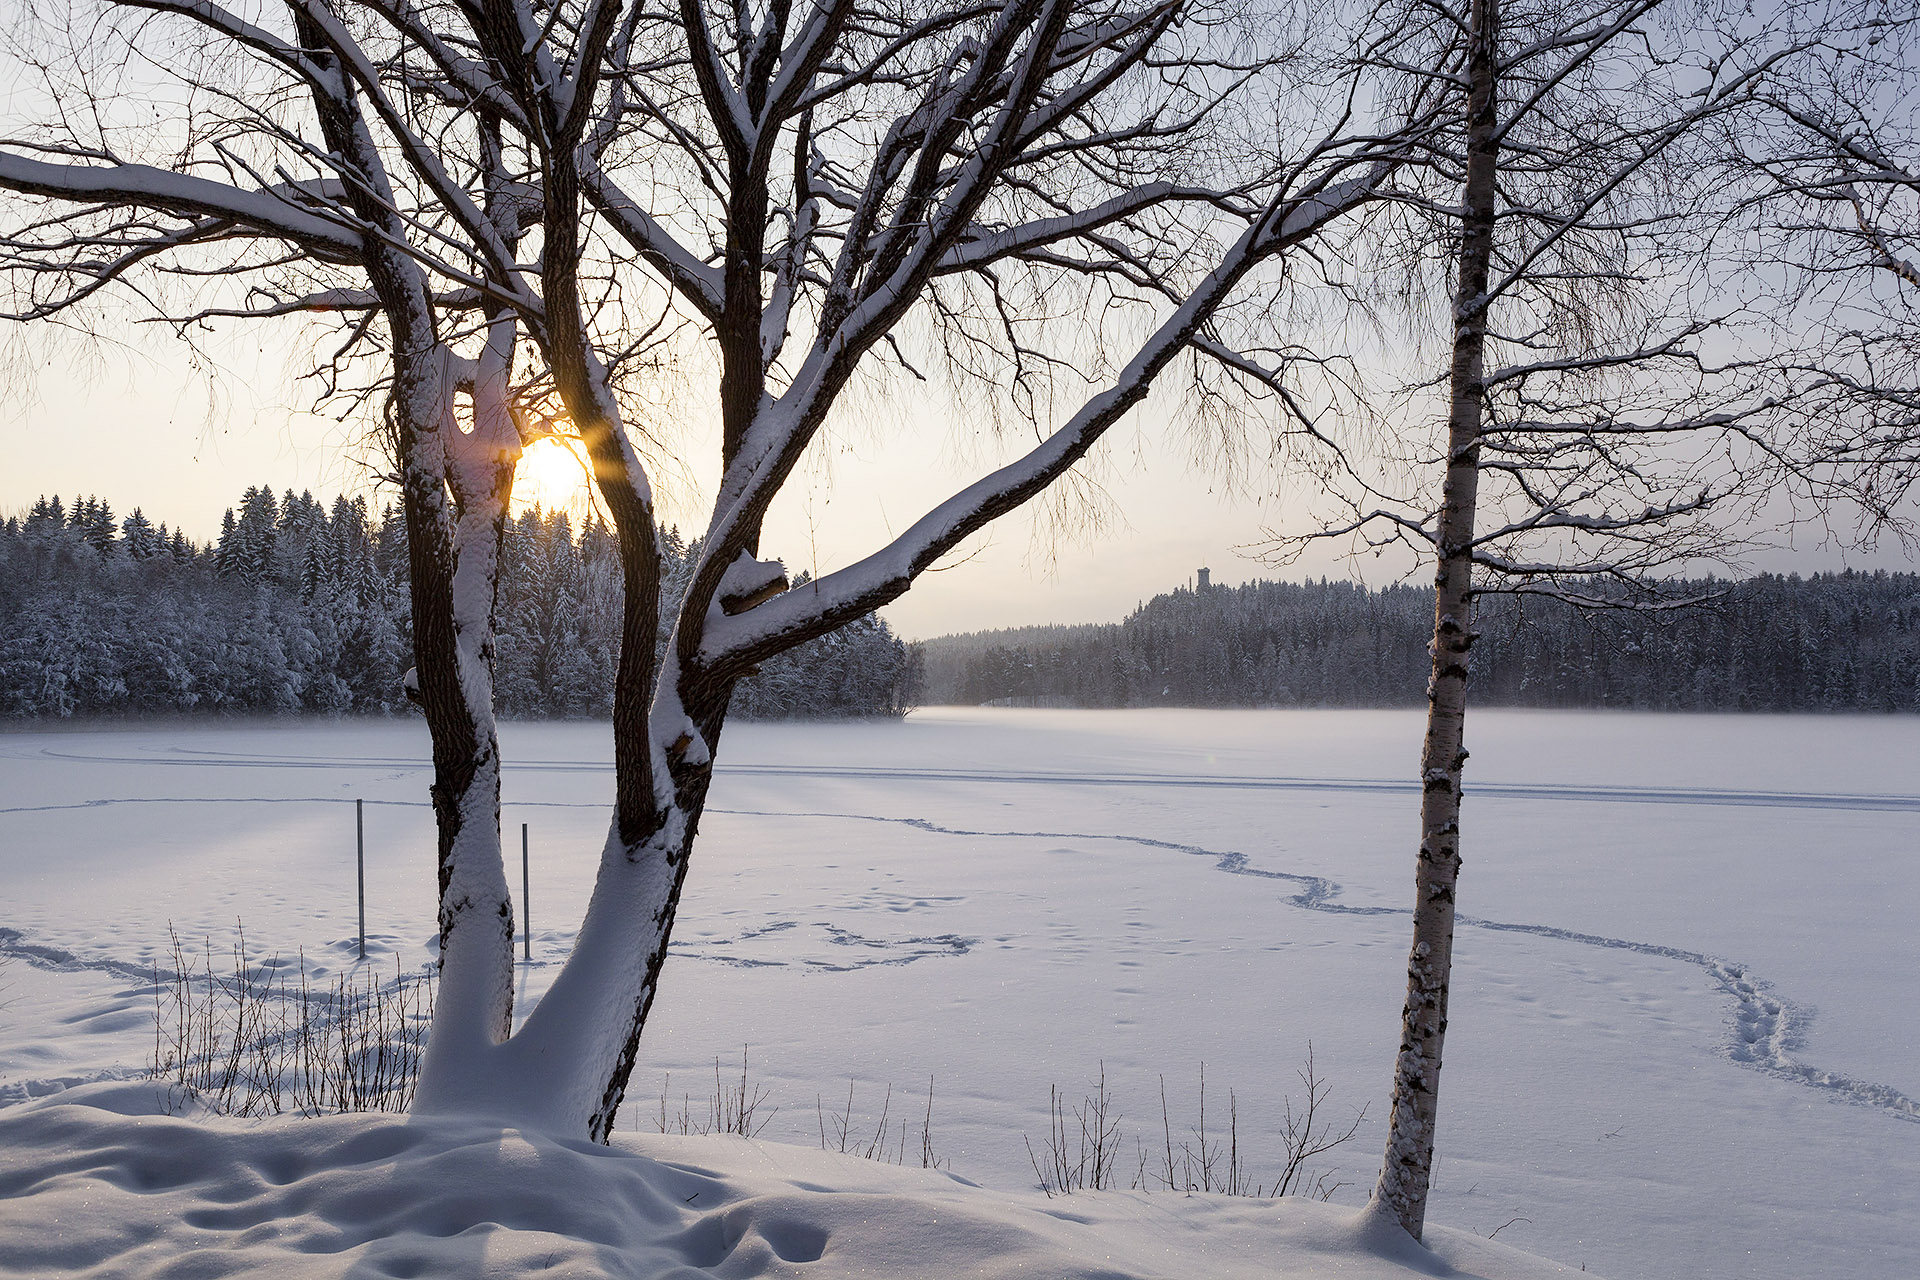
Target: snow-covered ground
<point>1681,1040</point>
<point>96,1174</point>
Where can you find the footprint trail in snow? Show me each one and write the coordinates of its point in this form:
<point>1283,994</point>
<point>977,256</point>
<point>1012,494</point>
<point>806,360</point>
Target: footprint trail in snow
<point>1765,1029</point>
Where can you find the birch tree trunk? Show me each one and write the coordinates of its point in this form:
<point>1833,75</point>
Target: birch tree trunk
<point>1407,1169</point>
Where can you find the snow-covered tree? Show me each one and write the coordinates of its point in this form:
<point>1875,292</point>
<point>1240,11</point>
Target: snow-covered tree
<point>139,536</point>
<point>809,194</point>
<point>849,170</point>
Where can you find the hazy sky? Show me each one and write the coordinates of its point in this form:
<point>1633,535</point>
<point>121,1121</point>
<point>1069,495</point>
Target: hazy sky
<point>148,431</point>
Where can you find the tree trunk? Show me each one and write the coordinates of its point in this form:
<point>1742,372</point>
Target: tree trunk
<point>455,487</point>
<point>566,1069</point>
<point>1407,1169</point>
<point>454,537</point>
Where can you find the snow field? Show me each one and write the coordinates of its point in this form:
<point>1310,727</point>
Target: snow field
<point>1006,900</point>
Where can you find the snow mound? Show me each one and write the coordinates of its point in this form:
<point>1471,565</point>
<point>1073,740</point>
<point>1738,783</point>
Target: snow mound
<point>100,1180</point>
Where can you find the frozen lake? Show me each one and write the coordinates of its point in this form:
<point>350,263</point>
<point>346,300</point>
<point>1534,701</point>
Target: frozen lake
<point>1681,1042</point>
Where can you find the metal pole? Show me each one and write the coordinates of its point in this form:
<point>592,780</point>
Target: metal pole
<point>526,905</point>
<point>360,840</point>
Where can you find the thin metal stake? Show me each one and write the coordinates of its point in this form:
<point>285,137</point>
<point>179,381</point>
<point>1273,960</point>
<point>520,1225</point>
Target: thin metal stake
<point>526,906</point>
<point>360,840</point>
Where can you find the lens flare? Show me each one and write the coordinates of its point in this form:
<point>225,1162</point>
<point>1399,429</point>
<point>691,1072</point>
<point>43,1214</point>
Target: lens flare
<point>552,475</point>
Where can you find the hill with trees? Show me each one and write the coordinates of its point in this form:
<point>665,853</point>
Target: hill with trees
<point>1830,642</point>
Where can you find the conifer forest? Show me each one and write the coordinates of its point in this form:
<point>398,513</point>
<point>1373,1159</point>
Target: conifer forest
<point>1828,642</point>
<point>303,607</point>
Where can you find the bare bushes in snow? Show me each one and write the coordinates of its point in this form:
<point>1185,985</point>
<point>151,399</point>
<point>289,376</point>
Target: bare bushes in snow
<point>1078,1156</point>
<point>249,1037</point>
<point>739,1107</point>
<point>841,1132</point>
<point>732,1108</point>
<point>1083,1144</point>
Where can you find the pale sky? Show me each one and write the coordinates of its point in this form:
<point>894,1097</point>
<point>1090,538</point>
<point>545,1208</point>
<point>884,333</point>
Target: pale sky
<point>143,434</point>
<point>146,431</point>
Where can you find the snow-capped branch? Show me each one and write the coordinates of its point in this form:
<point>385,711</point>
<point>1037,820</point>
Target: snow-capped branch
<point>837,597</point>
<point>267,212</point>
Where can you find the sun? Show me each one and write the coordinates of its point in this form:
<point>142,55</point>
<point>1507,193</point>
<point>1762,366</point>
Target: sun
<point>552,475</point>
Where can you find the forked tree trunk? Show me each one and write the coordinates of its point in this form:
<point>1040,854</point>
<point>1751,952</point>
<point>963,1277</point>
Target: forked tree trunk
<point>566,1069</point>
<point>1407,1169</point>
<point>455,488</point>
<point>459,486</point>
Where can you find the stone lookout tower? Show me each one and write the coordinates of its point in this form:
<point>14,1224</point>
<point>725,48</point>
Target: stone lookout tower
<point>1203,583</point>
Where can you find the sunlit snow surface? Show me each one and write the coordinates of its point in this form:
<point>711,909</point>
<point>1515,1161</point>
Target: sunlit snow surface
<point>1681,1041</point>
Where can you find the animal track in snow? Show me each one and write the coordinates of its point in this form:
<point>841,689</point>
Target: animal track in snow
<point>13,944</point>
<point>1764,1029</point>
<point>794,949</point>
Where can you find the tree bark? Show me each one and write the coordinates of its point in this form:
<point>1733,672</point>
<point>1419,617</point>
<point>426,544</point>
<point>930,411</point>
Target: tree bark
<point>453,560</point>
<point>455,488</point>
<point>1407,1170</point>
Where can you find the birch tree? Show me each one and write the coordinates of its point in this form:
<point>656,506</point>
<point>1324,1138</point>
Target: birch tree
<point>804,186</point>
<point>1598,425</point>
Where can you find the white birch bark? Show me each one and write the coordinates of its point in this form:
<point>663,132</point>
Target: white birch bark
<point>1407,1170</point>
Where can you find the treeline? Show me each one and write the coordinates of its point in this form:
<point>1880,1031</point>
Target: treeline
<point>1830,642</point>
<point>303,607</point>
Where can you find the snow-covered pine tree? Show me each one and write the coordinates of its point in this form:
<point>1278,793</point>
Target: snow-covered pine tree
<point>140,538</point>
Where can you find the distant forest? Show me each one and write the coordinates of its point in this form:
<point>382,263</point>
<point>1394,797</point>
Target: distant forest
<point>301,607</point>
<point>1831,642</point>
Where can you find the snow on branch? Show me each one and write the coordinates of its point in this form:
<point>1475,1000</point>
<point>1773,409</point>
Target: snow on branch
<point>701,285</point>
<point>848,593</point>
<point>331,235</point>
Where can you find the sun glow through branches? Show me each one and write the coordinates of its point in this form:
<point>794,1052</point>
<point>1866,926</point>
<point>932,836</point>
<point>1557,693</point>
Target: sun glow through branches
<point>552,475</point>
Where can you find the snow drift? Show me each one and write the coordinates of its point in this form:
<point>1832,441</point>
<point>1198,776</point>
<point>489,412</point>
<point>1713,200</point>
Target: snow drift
<point>101,1180</point>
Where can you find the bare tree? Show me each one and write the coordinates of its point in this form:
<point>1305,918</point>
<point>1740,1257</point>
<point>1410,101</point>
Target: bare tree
<point>852,170</point>
<point>806,188</point>
<point>292,192</point>
<point>1591,441</point>
<point>1832,157</point>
